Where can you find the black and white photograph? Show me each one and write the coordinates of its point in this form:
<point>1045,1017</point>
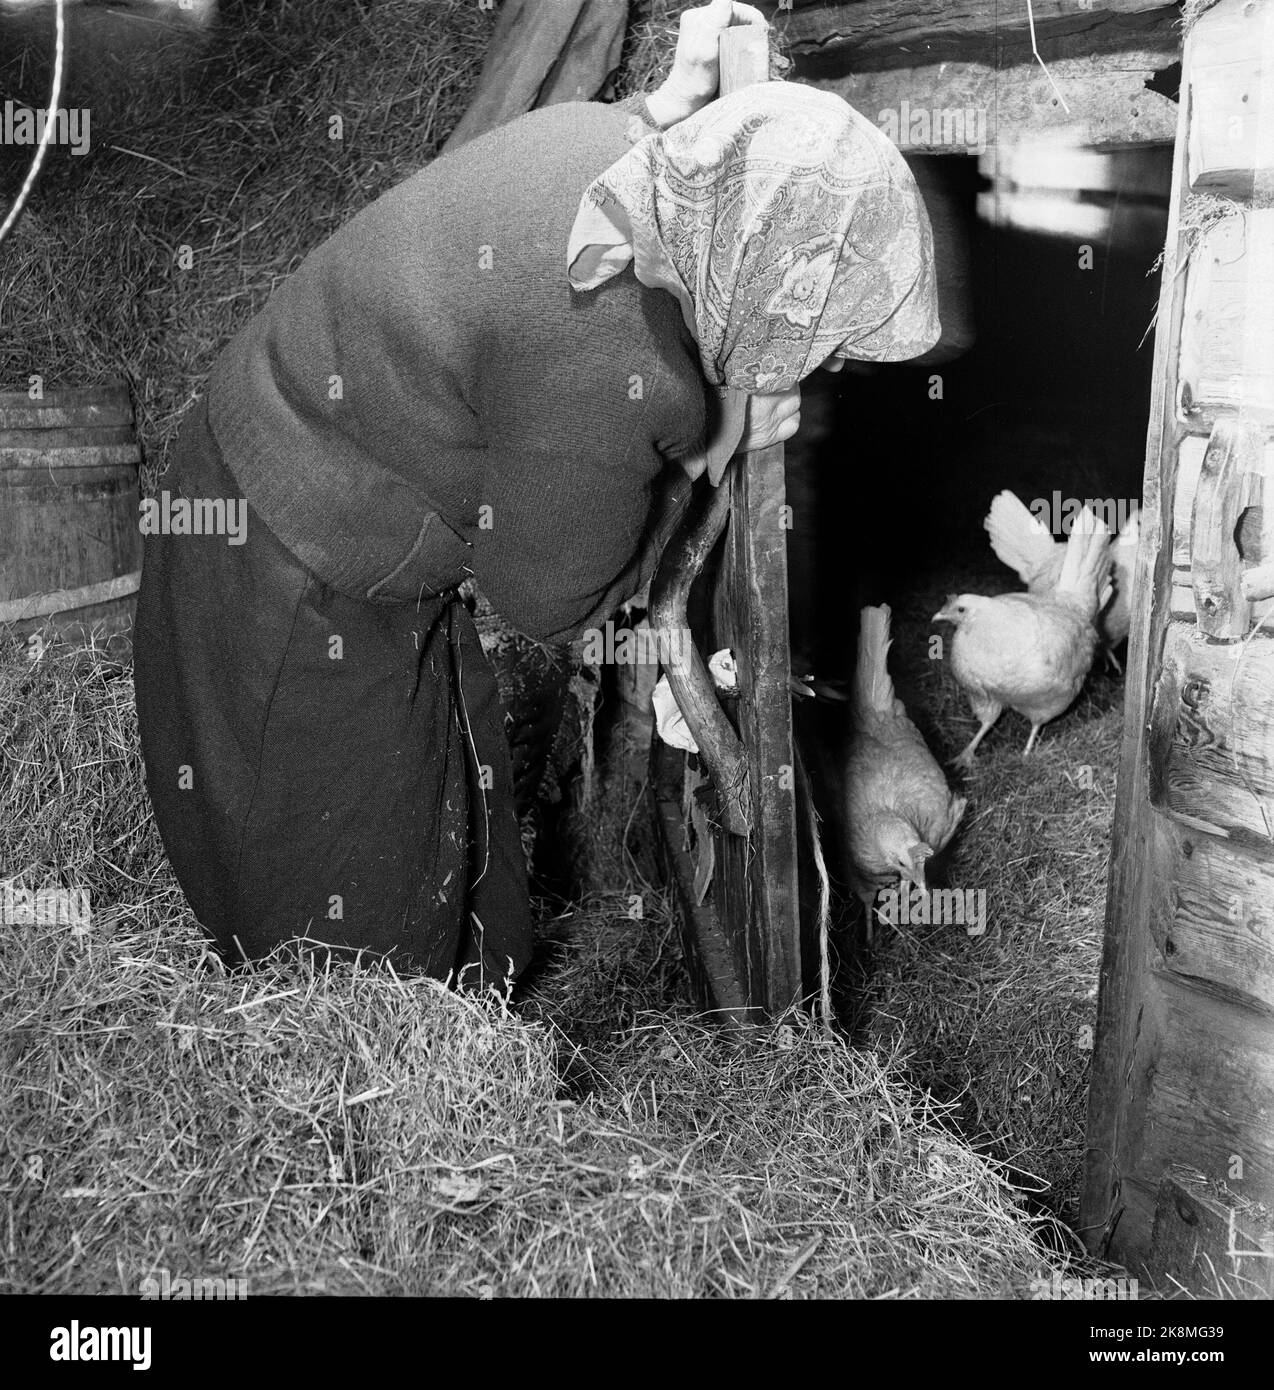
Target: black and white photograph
<point>636,663</point>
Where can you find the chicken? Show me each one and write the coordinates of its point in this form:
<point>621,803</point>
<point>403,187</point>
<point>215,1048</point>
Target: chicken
<point>1026,546</point>
<point>899,809</point>
<point>1031,652</point>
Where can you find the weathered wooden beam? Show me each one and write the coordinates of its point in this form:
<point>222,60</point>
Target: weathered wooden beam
<point>1117,1210</point>
<point>1183,1071</point>
<point>1213,745</point>
<point>939,31</point>
<point>756,889</point>
<point>1210,1242</point>
<point>962,107</point>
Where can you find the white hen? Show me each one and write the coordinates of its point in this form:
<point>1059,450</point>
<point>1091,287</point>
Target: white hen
<point>1031,652</point>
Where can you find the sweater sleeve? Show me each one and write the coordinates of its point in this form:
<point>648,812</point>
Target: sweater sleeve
<point>637,106</point>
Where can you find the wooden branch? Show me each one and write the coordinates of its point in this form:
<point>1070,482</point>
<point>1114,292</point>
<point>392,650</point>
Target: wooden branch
<point>691,683</point>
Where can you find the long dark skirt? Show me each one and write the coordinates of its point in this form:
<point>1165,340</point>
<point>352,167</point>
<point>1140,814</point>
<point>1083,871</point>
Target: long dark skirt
<point>322,768</point>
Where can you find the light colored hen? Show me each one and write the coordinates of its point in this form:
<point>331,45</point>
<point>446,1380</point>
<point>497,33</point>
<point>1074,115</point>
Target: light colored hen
<point>1022,542</point>
<point>1030,652</point>
<point>899,809</point>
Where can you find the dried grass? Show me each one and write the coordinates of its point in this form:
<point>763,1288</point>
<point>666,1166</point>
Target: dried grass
<point>343,1130</point>
<point>238,168</point>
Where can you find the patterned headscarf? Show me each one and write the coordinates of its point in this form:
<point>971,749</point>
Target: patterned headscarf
<point>787,226</point>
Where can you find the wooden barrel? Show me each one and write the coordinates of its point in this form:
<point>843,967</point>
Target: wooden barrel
<point>70,547</point>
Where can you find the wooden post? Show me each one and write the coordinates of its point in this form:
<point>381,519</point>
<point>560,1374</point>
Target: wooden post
<point>1183,1074</point>
<point>757,877</point>
<point>744,944</point>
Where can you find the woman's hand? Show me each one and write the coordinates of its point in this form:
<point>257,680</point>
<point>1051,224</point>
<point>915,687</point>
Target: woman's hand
<point>695,74</point>
<point>772,418</point>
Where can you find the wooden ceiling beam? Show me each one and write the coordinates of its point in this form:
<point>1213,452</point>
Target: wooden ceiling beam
<point>906,33</point>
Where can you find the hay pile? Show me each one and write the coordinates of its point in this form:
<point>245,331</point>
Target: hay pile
<point>346,1131</point>
<point>143,257</point>
<point>240,171</point>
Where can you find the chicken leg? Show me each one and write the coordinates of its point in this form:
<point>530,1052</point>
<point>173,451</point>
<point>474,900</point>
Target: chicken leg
<point>868,899</point>
<point>965,759</point>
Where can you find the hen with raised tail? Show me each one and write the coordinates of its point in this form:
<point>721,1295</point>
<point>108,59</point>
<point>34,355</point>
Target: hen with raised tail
<point>1022,542</point>
<point>899,809</point>
<point>1030,652</point>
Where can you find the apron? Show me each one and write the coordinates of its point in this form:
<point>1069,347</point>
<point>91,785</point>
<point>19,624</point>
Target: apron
<point>324,770</point>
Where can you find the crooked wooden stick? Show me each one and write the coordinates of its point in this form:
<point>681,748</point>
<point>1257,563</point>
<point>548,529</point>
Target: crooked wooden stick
<point>744,59</point>
<point>719,746</point>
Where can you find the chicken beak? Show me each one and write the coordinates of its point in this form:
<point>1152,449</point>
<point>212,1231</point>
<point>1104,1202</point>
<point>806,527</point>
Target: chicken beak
<point>944,614</point>
<point>918,855</point>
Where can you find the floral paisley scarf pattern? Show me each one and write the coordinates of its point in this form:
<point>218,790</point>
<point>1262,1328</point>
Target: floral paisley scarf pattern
<point>788,227</point>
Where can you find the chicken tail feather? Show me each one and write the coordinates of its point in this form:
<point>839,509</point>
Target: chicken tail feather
<point>873,690</point>
<point>1130,535</point>
<point>1086,567</point>
<point>1020,540</point>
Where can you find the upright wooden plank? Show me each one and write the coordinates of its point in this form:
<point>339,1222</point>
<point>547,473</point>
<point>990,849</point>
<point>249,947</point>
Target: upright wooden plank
<point>1184,1064</point>
<point>756,892</point>
<point>1127,1035</point>
<point>756,887</point>
<point>743,941</point>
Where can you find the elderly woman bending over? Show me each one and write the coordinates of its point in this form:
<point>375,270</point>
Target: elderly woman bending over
<point>493,370</point>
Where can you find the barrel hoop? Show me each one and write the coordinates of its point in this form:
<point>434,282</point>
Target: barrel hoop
<point>63,600</point>
<point>102,405</point>
<point>42,460</point>
<point>62,436</point>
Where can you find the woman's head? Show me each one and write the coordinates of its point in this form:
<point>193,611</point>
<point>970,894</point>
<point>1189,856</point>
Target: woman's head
<point>787,226</point>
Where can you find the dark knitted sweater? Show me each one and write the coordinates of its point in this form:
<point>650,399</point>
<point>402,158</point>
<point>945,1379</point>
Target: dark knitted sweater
<point>426,396</point>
